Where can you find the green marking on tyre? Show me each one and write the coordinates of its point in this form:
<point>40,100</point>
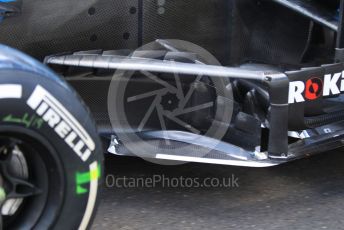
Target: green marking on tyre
<point>29,121</point>
<point>2,195</point>
<point>85,178</point>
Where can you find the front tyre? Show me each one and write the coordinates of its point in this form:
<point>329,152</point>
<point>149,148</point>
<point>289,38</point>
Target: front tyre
<point>50,153</point>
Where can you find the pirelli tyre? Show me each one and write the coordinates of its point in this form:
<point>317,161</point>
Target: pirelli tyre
<point>50,153</point>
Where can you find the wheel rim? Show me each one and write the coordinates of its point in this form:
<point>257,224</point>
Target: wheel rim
<point>32,180</point>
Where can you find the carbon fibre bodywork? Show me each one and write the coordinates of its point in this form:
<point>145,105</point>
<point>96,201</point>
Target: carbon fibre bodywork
<point>279,68</point>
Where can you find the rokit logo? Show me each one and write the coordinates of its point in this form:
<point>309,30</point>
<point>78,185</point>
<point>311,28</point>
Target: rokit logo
<point>63,123</point>
<point>314,88</point>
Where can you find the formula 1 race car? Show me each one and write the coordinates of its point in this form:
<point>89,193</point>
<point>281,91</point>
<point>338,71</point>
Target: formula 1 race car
<point>252,83</point>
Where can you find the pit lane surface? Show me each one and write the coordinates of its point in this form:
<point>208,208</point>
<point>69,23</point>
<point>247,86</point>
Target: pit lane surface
<point>306,194</point>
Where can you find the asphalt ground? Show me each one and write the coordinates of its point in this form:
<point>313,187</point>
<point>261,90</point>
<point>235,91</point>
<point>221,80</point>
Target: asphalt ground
<point>305,194</point>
